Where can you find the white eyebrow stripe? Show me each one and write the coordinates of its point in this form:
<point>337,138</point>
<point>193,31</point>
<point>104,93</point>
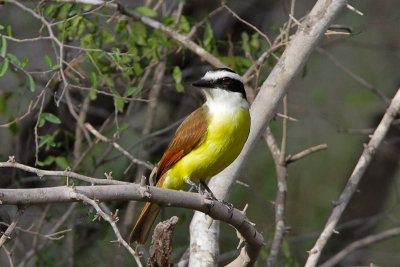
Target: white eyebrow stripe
<point>215,75</point>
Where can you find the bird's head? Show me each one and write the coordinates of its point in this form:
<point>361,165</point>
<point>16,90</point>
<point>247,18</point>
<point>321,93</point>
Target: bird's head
<point>221,79</point>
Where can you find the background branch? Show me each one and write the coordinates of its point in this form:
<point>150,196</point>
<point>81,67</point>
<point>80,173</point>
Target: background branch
<point>354,179</point>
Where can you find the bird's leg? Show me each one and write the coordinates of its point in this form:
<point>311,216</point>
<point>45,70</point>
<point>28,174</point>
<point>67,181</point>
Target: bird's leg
<point>213,197</point>
<point>209,192</point>
<point>192,185</point>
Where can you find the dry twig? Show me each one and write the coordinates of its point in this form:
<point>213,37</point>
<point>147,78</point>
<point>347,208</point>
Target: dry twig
<point>354,179</point>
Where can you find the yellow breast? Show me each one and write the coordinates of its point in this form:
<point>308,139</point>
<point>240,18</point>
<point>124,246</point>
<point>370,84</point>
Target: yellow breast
<point>226,134</point>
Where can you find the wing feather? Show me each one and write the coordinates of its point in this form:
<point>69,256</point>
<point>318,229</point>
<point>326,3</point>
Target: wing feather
<point>187,136</point>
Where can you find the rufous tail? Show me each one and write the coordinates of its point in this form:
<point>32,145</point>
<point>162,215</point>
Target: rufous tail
<point>142,228</point>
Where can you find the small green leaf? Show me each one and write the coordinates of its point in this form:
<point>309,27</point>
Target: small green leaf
<point>118,101</point>
<point>137,68</point>
<point>48,60</point>
<point>145,11</point>
<point>179,87</point>
<point>208,35</point>
<point>3,48</point>
<point>9,30</point>
<point>255,41</point>
<point>117,53</point>
<point>123,126</point>
<point>1,27</point>
<point>49,9</point>
<point>14,59</point>
<point>25,62</point>
<point>47,140</point>
<point>3,67</point>
<point>131,91</point>
<point>48,161</point>
<point>102,54</point>
<point>93,94</point>
<point>93,79</point>
<point>184,25</point>
<point>55,67</point>
<point>62,162</point>
<point>31,83</point>
<point>177,74</point>
<point>50,117</point>
<point>42,121</point>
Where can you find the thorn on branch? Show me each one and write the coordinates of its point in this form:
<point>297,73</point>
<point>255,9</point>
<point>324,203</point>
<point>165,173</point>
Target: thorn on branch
<point>97,217</point>
<point>11,159</point>
<point>108,175</point>
<point>114,216</point>
<point>351,8</point>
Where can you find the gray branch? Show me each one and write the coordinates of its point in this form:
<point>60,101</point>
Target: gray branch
<point>354,180</point>
<point>161,196</point>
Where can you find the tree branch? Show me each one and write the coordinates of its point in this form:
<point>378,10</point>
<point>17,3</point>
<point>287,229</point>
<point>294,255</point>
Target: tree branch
<point>69,174</point>
<point>161,196</point>
<point>354,179</point>
<point>363,242</point>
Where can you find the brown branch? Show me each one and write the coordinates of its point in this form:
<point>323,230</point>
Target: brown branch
<point>363,242</point>
<point>11,227</point>
<point>69,174</point>
<point>304,153</point>
<point>354,179</point>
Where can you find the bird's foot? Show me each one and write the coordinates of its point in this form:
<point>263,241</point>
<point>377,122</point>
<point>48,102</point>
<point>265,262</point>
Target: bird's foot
<point>209,193</point>
<point>192,185</point>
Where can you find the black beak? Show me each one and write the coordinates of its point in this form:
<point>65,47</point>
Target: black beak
<point>202,83</point>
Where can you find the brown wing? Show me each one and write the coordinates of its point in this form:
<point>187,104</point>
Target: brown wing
<point>187,136</point>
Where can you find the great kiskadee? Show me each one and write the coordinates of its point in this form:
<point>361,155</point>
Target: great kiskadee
<point>206,142</point>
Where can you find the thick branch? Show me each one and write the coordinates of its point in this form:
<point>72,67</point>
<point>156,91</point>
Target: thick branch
<point>354,179</point>
<point>164,197</point>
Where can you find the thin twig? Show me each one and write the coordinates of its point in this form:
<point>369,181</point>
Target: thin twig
<point>118,147</point>
<point>304,153</point>
<point>70,174</point>
<point>247,23</point>
<point>112,221</point>
<point>353,75</point>
<point>354,179</point>
<point>11,227</point>
<point>9,257</point>
<point>363,242</point>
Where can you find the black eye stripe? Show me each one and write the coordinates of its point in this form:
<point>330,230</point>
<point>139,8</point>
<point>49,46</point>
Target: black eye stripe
<point>230,84</point>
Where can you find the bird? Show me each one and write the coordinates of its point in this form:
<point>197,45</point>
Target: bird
<point>205,143</point>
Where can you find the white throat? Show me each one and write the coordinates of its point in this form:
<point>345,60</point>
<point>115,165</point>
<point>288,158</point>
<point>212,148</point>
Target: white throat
<point>219,100</point>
